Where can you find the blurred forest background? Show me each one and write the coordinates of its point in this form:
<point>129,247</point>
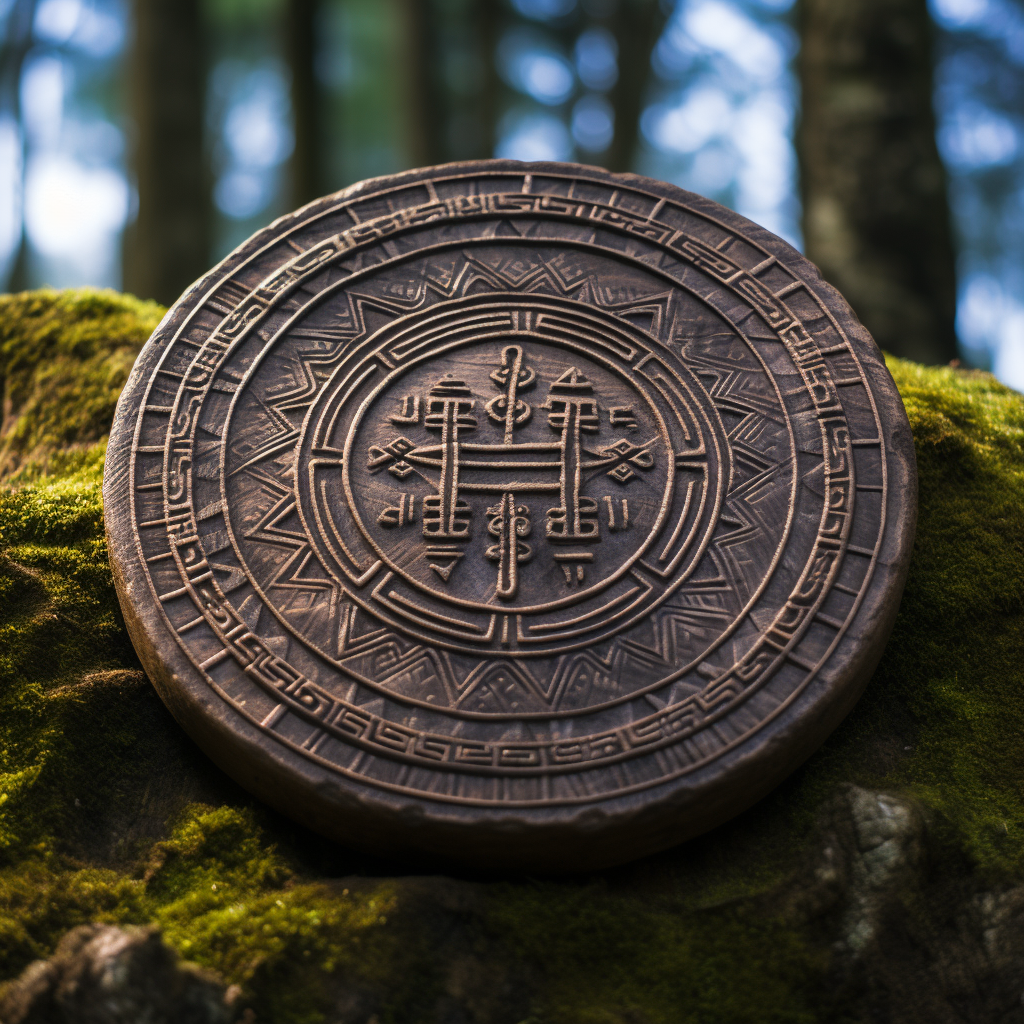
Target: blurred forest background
<point>141,140</point>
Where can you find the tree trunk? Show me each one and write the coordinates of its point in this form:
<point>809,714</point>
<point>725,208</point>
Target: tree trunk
<point>636,24</point>
<point>876,215</point>
<point>307,178</point>
<point>168,246</point>
<point>425,101</point>
<point>17,42</point>
<point>488,28</point>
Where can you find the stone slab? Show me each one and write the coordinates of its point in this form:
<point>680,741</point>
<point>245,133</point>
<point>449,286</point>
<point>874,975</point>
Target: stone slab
<point>527,515</point>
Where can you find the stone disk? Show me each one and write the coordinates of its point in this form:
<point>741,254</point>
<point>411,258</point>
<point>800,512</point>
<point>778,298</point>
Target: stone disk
<point>524,514</point>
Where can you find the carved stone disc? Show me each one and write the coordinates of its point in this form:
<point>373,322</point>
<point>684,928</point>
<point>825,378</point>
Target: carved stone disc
<point>524,514</point>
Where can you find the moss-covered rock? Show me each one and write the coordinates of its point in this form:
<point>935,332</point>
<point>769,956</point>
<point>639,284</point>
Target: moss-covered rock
<point>117,975</point>
<point>825,902</point>
<point>64,357</point>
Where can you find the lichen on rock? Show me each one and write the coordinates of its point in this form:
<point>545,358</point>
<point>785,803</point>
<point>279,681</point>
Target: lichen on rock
<point>884,877</point>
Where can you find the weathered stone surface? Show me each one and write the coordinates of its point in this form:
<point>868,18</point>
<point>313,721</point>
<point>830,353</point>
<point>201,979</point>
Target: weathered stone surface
<point>102,974</point>
<point>108,814</point>
<point>524,514</point>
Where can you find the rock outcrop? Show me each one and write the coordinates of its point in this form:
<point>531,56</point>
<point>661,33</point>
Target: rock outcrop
<point>102,974</point>
<point>883,882</point>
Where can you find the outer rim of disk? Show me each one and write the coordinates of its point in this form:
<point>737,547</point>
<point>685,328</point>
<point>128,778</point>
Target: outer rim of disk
<point>561,839</point>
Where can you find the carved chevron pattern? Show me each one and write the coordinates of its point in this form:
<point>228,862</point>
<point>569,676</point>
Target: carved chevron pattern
<point>311,599</point>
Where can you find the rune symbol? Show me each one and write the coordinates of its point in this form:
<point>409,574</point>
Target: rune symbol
<point>510,469</point>
<point>511,521</point>
<point>513,376</point>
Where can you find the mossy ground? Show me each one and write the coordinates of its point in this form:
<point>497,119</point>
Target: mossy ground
<point>108,813</point>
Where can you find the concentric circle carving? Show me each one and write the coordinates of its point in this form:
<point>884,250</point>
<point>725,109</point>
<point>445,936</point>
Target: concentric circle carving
<point>501,470</point>
<point>461,503</point>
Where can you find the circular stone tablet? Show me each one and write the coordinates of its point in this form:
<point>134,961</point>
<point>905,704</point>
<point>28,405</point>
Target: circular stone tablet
<point>525,514</point>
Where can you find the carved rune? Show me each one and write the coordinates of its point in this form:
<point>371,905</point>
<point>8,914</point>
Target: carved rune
<point>456,467</point>
<point>509,524</point>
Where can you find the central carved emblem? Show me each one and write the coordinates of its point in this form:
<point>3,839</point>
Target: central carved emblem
<point>519,477</point>
<point>518,473</point>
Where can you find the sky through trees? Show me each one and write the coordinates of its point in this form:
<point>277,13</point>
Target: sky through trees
<point>718,105</point>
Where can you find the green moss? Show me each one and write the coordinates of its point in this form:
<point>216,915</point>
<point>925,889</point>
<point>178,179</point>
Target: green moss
<point>61,635</point>
<point>943,716</point>
<point>610,958</point>
<point>227,900</point>
<point>960,664</point>
<point>64,357</point>
<point>40,904</point>
<point>107,812</point>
